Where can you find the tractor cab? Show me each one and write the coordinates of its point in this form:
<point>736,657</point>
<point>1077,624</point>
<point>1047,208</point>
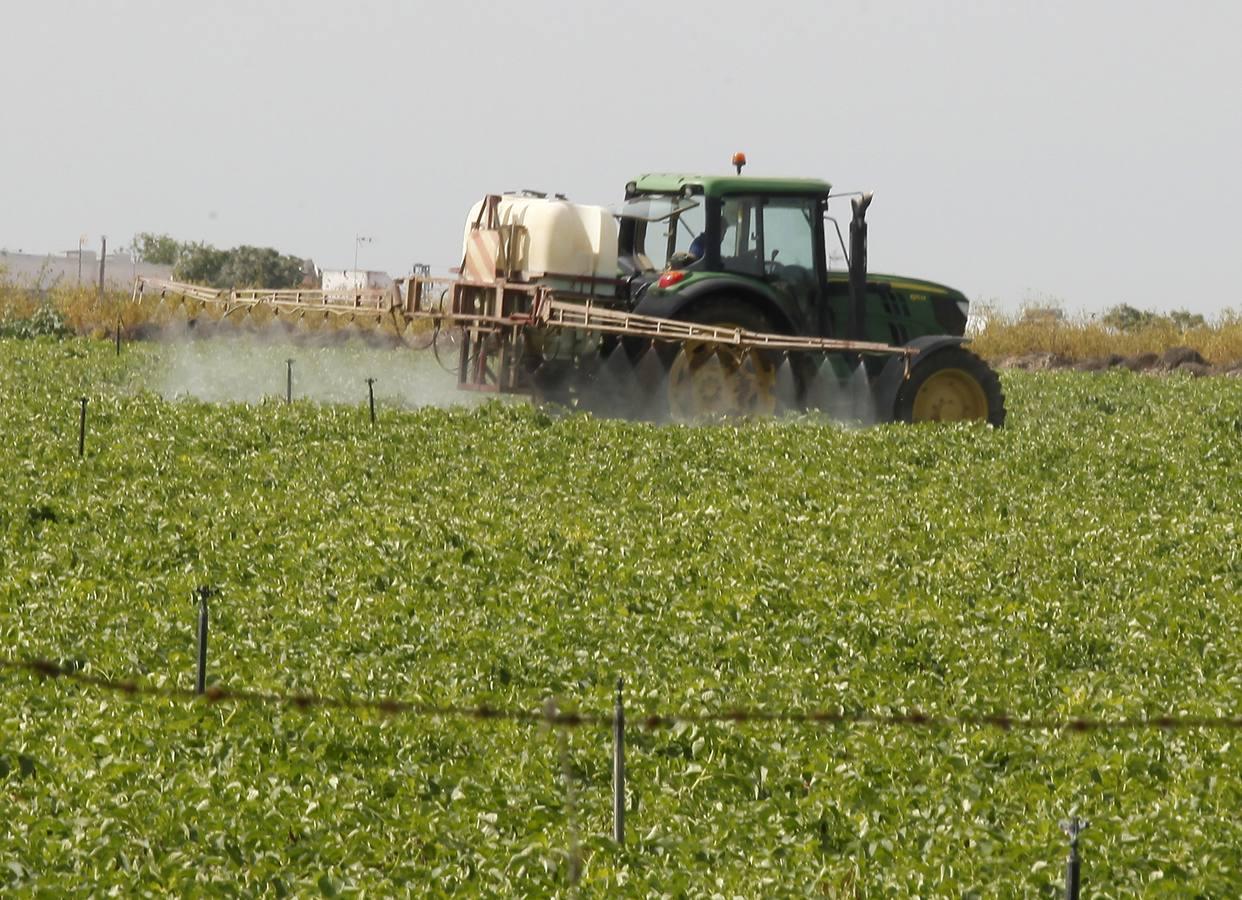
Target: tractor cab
<point>767,242</point>
<point>762,237</point>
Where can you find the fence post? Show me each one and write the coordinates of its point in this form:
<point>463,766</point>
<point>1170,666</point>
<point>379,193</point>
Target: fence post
<point>103,258</point>
<point>203,593</point>
<point>618,768</point>
<point>371,397</point>
<point>1073,864</point>
<point>82,430</point>
<point>288,380</point>
<point>574,859</point>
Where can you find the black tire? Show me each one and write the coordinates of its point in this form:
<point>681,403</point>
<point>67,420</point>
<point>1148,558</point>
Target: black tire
<point>717,309</point>
<point>726,310</point>
<point>720,309</point>
<point>951,384</point>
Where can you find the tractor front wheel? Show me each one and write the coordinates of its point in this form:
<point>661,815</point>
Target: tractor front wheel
<point>951,385</point>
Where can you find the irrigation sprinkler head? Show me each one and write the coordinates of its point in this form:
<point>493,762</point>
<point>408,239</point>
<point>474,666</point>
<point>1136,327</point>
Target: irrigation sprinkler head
<point>1074,827</point>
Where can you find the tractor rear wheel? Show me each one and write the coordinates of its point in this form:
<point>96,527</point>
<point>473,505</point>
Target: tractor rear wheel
<point>709,380</point>
<point>951,385</point>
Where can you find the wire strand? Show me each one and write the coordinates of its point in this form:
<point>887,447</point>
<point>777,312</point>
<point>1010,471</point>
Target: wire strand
<point>653,721</point>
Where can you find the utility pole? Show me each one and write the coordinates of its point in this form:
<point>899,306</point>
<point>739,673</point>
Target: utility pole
<point>103,255</point>
<point>81,244</point>
<point>359,240</point>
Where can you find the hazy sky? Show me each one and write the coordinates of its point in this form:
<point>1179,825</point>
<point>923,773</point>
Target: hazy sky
<point>1083,151</point>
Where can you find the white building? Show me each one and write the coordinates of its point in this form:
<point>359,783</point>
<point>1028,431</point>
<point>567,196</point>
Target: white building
<point>350,280</point>
<point>73,267</point>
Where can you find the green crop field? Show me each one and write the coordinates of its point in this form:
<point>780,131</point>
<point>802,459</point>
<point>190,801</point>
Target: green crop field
<point>1083,562</point>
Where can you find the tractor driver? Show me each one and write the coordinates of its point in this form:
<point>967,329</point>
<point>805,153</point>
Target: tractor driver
<point>698,246</point>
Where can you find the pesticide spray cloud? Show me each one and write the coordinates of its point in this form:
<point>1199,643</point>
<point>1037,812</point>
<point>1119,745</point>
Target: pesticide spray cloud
<point>250,365</point>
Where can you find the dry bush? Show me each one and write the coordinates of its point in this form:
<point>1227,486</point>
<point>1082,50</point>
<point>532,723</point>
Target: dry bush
<point>1085,337</point>
<point>82,311</point>
<point>79,307</point>
<point>15,301</point>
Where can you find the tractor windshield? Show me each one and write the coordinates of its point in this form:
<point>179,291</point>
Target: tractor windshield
<point>665,225</point>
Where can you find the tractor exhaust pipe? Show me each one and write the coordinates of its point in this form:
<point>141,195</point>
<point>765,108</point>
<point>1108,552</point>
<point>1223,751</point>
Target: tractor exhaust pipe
<point>858,268</point>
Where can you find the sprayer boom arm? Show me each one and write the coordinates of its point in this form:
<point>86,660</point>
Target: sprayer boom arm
<point>606,320</point>
<point>544,311</point>
<point>496,318</point>
<point>333,302</point>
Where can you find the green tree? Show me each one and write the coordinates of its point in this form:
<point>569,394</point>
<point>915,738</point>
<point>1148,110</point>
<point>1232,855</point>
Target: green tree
<point>162,249</point>
<point>1186,320</point>
<point>1124,317</point>
<point>259,267</point>
<point>241,267</point>
<point>200,264</point>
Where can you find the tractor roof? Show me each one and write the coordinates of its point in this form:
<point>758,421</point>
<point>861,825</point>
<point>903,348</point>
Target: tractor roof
<point>726,185</point>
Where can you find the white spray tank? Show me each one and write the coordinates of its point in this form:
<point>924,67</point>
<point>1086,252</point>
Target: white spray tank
<point>542,240</point>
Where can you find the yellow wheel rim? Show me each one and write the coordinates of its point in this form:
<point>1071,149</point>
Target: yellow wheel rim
<point>950,395</point>
<point>706,381</point>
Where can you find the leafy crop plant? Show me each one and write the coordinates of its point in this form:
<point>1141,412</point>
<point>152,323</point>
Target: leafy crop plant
<point>1084,561</point>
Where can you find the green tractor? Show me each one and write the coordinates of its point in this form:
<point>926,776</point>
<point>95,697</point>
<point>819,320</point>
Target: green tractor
<point>753,253</point>
<point>702,296</point>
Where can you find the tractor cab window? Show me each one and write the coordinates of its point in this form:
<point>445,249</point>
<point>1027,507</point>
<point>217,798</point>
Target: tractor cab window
<point>741,236</point>
<point>772,237</point>
<point>683,230</point>
<point>789,233</point>
<point>665,227</point>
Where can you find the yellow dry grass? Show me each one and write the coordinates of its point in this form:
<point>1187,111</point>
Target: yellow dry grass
<point>1082,337</point>
<point>1075,337</point>
<point>85,313</point>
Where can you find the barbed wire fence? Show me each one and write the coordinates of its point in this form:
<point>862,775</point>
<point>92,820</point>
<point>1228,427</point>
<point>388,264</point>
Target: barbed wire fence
<point>652,721</point>
<point>552,715</point>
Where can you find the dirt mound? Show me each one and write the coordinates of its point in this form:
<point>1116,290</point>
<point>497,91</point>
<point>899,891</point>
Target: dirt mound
<point>1176,357</point>
<point>1186,360</point>
<point>1143,362</point>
